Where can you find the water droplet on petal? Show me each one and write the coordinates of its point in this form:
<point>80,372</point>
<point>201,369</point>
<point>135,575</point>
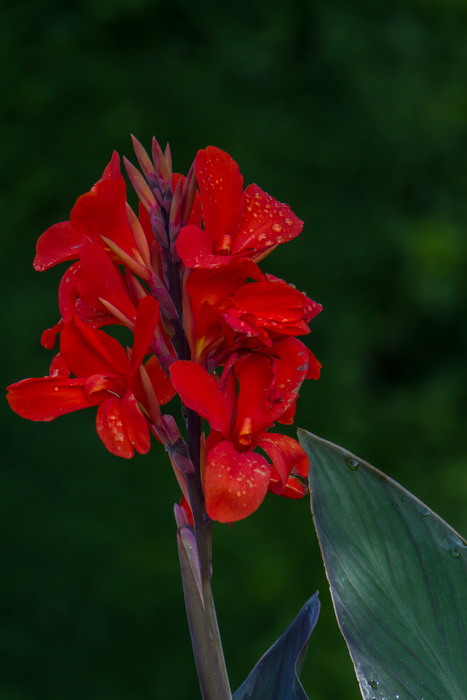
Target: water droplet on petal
<point>288,222</point>
<point>423,510</point>
<point>452,551</point>
<point>352,463</point>
<point>277,228</point>
<point>373,684</point>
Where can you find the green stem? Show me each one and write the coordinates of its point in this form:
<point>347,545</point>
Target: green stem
<point>195,547</point>
<point>201,611</point>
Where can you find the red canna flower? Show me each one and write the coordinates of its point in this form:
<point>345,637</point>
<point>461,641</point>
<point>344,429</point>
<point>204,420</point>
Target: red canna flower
<point>237,224</point>
<point>182,275</point>
<point>100,214</point>
<point>126,391</point>
<point>225,314</point>
<point>253,393</point>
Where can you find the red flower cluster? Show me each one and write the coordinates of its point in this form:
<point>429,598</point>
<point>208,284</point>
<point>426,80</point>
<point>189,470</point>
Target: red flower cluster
<point>182,275</point>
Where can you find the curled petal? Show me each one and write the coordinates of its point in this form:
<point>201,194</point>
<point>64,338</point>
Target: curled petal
<point>265,223</point>
<point>275,306</point>
<point>286,454</point>
<point>122,427</point>
<point>60,242</point>
<point>235,483</point>
<point>292,368</point>
<point>49,336</point>
<point>294,488</point>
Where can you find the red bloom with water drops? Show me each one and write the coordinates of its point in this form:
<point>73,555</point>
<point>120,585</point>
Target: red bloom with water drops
<point>245,224</point>
<point>223,313</point>
<point>182,276</point>
<point>126,391</point>
<point>99,214</point>
<point>253,393</point>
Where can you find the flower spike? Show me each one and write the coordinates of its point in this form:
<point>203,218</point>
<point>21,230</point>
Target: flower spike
<point>182,275</point>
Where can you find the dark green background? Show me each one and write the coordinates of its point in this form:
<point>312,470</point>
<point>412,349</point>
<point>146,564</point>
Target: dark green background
<point>355,113</point>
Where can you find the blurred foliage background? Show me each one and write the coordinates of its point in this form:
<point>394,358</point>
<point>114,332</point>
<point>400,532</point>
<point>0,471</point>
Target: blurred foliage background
<point>355,113</point>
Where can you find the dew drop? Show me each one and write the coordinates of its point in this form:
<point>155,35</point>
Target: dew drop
<point>288,222</point>
<point>453,545</point>
<point>373,684</point>
<point>351,463</point>
<point>423,510</point>
<point>277,228</point>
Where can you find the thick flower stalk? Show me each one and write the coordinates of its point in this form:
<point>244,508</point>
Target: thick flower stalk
<point>206,323</point>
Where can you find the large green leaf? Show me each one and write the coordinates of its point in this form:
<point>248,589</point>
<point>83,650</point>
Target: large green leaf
<point>398,579</point>
<point>275,676</point>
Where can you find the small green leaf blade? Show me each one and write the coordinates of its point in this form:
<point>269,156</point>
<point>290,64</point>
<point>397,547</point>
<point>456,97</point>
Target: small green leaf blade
<point>275,676</point>
<point>398,579</point>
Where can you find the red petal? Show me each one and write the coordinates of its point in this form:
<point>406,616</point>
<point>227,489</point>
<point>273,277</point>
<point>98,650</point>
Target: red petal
<point>146,323</point>
<point>220,185</point>
<point>68,291</point>
<point>286,455</point>
<point>98,278</point>
<point>311,308</point>
<point>195,250</point>
<point>58,367</point>
<point>122,427</point>
<point>255,375</point>
<point>160,381</point>
<point>69,302</point>
<point>112,169</point>
<point>60,242</point>
<point>49,336</point>
<point>88,351</point>
<point>47,398</point>
<point>288,417</point>
<point>206,288</point>
<point>102,212</point>
<point>314,366</point>
<point>200,391</point>
<point>293,488</point>
<point>265,222</point>
<point>188,512</point>
<point>291,370</point>
<point>276,306</point>
<point>235,483</point>
<point>210,286</point>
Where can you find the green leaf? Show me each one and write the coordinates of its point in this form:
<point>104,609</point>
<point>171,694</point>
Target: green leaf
<point>398,579</point>
<point>275,676</point>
